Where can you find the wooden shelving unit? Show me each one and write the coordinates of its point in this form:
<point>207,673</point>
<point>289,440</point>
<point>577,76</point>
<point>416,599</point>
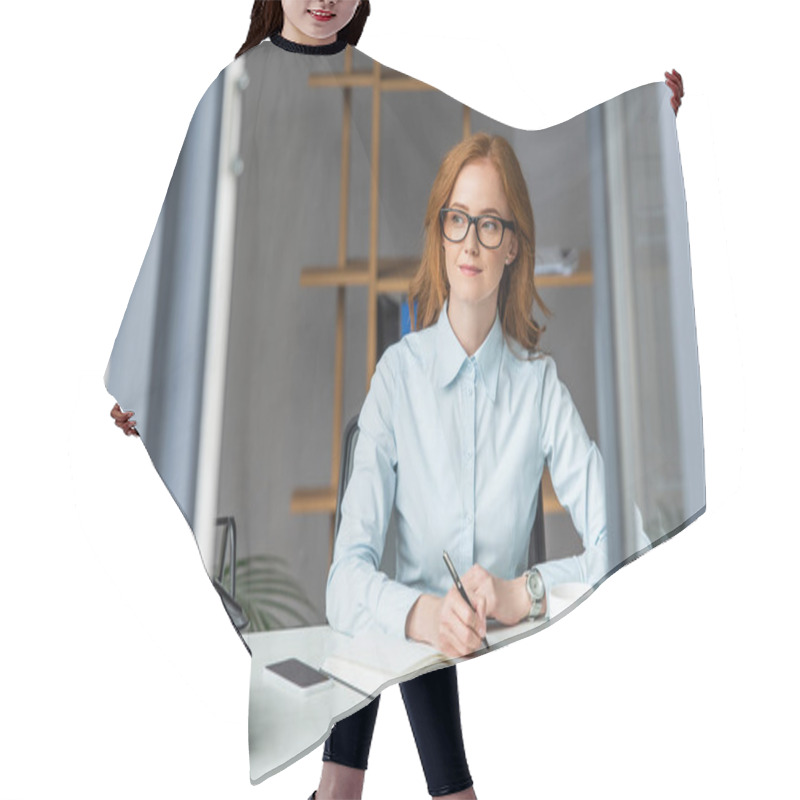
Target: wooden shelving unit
<point>387,81</point>
<point>395,274</point>
<point>378,275</point>
<point>314,501</point>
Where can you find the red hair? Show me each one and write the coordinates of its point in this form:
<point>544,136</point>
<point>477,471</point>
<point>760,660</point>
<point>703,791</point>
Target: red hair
<point>517,294</point>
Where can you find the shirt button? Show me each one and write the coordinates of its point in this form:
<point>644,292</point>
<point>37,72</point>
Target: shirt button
<point>469,518</point>
<point>469,391</point>
<point>469,456</point>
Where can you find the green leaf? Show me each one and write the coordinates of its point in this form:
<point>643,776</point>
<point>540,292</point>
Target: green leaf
<point>265,589</point>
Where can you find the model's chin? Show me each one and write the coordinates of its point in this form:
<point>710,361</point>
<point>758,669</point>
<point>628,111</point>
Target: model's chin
<point>319,33</point>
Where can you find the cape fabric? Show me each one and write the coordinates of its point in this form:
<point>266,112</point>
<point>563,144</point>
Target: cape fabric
<point>277,276</point>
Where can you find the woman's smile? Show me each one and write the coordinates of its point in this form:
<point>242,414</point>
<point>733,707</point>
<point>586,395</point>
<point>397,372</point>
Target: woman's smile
<point>469,269</point>
<point>316,22</point>
<point>321,16</point>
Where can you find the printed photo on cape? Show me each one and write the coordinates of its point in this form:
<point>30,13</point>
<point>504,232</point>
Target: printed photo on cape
<point>276,283</point>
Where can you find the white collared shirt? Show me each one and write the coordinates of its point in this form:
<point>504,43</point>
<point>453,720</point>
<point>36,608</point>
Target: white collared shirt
<point>457,445</point>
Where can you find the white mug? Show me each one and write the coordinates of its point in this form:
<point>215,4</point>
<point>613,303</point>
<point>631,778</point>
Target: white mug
<point>565,595</point>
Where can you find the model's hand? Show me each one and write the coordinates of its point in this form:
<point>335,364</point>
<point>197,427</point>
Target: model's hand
<point>507,601</point>
<point>124,420</point>
<point>448,623</point>
<point>675,83</point>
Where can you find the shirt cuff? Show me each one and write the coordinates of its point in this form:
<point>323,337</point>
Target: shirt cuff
<point>554,573</point>
<point>394,606</point>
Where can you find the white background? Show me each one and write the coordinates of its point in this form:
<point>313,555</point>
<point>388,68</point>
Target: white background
<point>121,676</point>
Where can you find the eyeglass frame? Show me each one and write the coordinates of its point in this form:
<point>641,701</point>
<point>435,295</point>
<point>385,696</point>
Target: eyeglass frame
<point>506,223</point>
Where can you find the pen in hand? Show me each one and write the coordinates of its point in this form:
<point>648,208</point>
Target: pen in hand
<point>460,587</point>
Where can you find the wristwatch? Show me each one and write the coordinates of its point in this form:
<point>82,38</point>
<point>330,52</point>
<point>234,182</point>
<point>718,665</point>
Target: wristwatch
<point>535,586</point>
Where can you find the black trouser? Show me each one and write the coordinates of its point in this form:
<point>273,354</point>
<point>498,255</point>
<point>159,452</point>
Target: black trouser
<point>432,706</point>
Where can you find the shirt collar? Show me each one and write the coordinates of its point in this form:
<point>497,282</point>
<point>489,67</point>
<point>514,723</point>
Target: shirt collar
<point>450,355</point>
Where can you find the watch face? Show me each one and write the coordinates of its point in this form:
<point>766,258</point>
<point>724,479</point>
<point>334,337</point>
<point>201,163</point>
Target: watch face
<point>535,585</point>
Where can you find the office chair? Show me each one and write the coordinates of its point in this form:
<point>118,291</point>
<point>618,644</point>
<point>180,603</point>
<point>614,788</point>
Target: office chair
<point>536,548</point>
<point>349,439</point>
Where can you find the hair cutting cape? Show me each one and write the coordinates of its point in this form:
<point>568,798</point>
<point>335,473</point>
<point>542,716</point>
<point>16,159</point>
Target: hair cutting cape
<point>277,276</point>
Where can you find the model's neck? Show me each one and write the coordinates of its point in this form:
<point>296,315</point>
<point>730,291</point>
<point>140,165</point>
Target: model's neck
<point>317,49</point>
<point>294,34</point>
<point>471,323</point>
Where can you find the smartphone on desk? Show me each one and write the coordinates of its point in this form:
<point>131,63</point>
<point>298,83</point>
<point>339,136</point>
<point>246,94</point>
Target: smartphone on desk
<point>296,675</point>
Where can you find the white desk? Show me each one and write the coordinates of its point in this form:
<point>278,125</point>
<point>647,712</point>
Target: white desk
<point>283,725</point>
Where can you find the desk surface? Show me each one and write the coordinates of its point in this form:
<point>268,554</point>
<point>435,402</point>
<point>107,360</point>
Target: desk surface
<point>285,725</point>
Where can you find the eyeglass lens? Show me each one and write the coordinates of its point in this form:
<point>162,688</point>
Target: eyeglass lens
<point>455,226</point>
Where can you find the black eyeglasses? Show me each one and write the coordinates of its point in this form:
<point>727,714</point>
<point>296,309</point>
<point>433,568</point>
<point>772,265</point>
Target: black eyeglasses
<point>490,229</point>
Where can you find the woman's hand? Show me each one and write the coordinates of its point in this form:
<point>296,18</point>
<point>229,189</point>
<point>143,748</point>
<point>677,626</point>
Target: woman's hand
<point>675,83</point>
<point>124,420</point>
<point>448,623</point>
<point>507,601</point>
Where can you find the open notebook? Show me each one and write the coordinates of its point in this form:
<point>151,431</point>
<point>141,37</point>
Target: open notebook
<point>368,662</point>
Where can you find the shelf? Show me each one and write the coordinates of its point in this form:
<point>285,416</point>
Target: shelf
<point>581,277</point>
<point>395,274</point>
<point>313,501</point>
<point>322,500</point>
<point>389,81</point>
<point>549,499</point>
<point>350,275</point>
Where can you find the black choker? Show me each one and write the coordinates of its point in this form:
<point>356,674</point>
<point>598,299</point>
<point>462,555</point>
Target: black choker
<point>309,49</point>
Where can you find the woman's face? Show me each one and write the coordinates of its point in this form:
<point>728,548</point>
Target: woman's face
<point>474,271</point>
<point>316,22</point>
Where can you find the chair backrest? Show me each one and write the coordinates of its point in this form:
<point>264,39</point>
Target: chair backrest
<point>349,439</point>
<point>536,547</point>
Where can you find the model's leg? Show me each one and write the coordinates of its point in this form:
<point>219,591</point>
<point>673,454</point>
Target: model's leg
<point>433,711</point>
<point>346,754</point>
<point>339,783</point>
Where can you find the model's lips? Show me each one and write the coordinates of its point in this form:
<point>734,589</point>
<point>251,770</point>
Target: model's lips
<point>466,269</point>
<point>322,16</point>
